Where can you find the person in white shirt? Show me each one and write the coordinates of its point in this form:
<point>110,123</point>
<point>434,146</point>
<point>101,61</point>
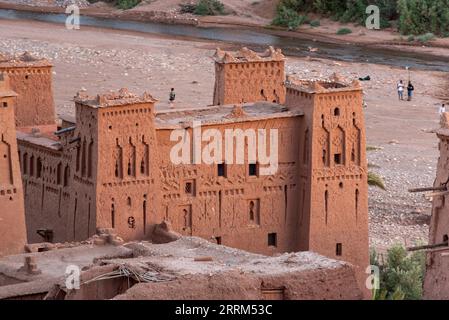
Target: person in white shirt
<point>442,109</point>
<point>401,90</point>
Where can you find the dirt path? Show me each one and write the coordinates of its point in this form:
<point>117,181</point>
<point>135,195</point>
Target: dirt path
<point>100,60</point>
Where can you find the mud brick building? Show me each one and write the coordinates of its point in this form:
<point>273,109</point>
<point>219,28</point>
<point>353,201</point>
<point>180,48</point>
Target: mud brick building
<point>111,167</point>
<point>31,79</point>
<point>12,214</point>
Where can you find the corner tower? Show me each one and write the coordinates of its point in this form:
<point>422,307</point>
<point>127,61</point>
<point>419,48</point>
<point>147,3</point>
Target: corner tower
<point>334,217</point>
<point>31,79</point>
<point>12,213</point>
<point>246,76</point>
<point>115,169</point>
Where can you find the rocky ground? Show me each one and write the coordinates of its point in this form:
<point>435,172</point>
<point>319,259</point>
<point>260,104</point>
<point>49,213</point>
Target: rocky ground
<point>99,60</point>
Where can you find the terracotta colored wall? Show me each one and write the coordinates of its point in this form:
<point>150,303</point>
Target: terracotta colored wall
<point>12,215</point>
<point>249,82</point>
<point>436,283</point>
<point>220,206</point>
<point>338,191</point>
<point>128,175</point>
<point>44,174</point>
<point>120,175</point>
<point>35,105</point>
<point>318,284</point>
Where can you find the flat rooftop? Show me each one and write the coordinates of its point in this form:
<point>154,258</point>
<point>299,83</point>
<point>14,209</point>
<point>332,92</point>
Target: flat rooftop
<point>171,119</point>
<point>24,60</point>
<point>40,135</point>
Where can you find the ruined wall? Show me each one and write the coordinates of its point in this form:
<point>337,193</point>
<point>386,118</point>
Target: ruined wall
<point>318,284</point>
<point>256,212</point>
<point>249,77</point>
<point>436,282</point>
<point>32,81</point>
<point>335,166</point>
<point>12,215</point>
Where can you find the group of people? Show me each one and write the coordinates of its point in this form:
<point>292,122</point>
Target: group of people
<point>410,89</point>
<point>401,88</point>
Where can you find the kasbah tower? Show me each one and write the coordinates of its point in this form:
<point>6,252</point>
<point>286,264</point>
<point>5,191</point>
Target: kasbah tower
<point>110,167</point>
<point>12,213</point>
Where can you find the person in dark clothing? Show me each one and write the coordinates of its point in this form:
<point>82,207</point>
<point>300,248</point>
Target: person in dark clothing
<point>172,97</point>
<point>410,89</point>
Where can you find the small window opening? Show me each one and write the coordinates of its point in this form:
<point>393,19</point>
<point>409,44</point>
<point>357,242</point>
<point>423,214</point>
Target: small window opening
<point>252,169</point>
<point>337,158</point>
<point>189,188</point>
<point>221,170</point>
<point>339,249</point>
<point>272,239</point>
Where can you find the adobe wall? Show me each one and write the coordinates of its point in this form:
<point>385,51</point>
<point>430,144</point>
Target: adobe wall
<point>220,206</point>
<point>436,281</point>
<point>46,179</point>
<point>128,175</point>
<point>249,77</point>
<point>31,79</point>
<point>337,172</point>
<point>114,171</point>
<point>12,214</point>
<point>339,284</point>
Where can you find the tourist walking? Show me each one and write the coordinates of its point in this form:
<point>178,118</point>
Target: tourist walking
<point>401,90</point>
<point>442,109</point>
<point>172,97</point>
<point>410,89</point>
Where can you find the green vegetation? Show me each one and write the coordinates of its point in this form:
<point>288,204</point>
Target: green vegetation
<point>375,180</point>
<point>121,4</point>
<point>286,17</point>
<point>410,17</point>
<point>425,37</point>
<point>401,275</point>
<point>127,4</point>
<point>372,148</point>
<point>315,23</point>
<point>343,31</point>
<point>204,8</point>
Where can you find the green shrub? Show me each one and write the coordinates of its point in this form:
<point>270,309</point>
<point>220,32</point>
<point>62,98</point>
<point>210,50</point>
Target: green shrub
<point>289,18</point>
<point>315,23</point>
<point>343,31</point>
<point>209,8</point>
<point>411,38</point>
<point>412,16</point>
<point>187,7</point>
<point>127,4</point>
<point>401,276</point>
<point>425,37</point>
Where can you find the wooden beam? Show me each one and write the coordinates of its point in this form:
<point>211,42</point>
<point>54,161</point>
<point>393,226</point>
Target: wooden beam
<point>441,188</point>
<point>429,246</point>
